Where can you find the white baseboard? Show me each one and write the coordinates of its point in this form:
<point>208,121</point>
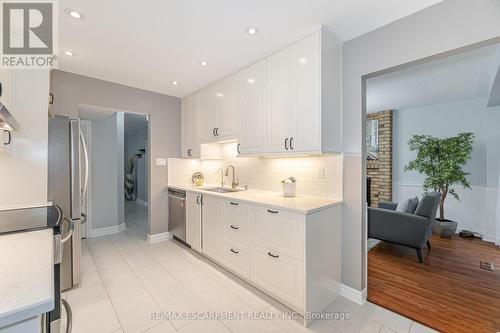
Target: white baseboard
<point>352,294</point>
<point>141,202</point>
<point>107,230</point>
<point>159,237</point>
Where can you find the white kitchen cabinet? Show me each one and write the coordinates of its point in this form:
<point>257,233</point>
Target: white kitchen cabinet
<point>193,220</point>
<point>212,241</point>
<point>190,141</point>
<point>305,106</point>
<point>235,223</point>
<point>237,259</point>
<point>218,111</point>
<point>278,274</point>
<point>278,230</point>
<point>304,97</point>
<point>278,101</point>
<point>293,257</point>
<point>253,109</point>
<point>207,114</point>
<point>288,103</point>
<point>228,115</point>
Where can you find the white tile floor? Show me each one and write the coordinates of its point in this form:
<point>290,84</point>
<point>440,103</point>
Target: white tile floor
<point>125,280</point>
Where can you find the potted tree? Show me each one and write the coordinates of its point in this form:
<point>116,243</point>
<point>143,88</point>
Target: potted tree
<point>442,162</point>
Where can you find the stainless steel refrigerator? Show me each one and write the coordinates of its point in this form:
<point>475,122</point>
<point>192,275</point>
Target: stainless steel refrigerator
<point>66,189</point>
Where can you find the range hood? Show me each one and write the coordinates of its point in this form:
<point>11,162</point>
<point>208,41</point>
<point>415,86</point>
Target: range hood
<point>7,121</point>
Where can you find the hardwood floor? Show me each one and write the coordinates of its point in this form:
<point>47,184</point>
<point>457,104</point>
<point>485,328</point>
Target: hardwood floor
<point>448,292</point>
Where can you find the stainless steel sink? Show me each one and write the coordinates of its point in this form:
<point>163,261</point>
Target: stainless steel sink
<point>222,189</point>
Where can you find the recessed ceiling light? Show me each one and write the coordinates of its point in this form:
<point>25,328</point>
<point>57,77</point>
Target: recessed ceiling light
<point>203,63</point>
<point>69,53</point>
<point>251,81</point>
<point>252,31</point>
<point>74,14</point>
<point>175,83</point>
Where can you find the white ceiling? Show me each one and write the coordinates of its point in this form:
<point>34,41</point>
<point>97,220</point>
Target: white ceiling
<point>148,44</point>
<point>465,76</point>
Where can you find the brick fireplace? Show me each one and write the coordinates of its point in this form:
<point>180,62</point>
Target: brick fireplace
<point>380,170</point>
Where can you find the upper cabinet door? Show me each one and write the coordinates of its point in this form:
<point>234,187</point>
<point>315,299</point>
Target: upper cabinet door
<point>189,120</point>
<point>207,114</point>
<point>253,109</point>
<point>278,101</point>
<point>228,111</point>
<point>305,116</point>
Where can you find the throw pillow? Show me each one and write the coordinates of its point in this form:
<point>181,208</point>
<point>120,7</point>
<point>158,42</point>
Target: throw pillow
<point>403,206</point>
<point>412,205</point>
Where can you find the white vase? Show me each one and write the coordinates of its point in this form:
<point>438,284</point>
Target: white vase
<point>289,189</point>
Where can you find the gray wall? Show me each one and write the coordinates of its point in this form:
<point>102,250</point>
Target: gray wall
<point>106,145</point>
<point>493,148</point>
<point>446,26</point>
<point>442,120</point>
<point>71,90</point>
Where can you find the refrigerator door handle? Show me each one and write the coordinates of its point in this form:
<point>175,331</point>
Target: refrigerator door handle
<point>74,131</point>
<point>67,237</point>
<point>86,159</point>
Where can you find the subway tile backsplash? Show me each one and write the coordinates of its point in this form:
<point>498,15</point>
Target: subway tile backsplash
<point>316,175</point>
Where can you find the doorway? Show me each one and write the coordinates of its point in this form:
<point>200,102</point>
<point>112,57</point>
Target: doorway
<point>118,183</point>
<point>414,116</point>
<point>136,168</point>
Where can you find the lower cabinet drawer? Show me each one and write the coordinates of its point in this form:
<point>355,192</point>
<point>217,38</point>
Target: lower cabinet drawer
<point>233,232</point>
<point>237,259</point>
<point>279,274</point>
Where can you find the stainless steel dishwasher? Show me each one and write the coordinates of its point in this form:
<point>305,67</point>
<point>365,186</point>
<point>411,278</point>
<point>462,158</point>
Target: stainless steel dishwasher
<point>177,213</point>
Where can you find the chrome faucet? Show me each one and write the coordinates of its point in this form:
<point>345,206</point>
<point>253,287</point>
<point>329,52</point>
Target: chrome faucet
<point>234,183</point>
<point>221,176</point>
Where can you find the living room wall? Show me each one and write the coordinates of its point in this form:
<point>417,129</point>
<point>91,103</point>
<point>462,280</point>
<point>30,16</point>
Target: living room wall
<point>476,209</point>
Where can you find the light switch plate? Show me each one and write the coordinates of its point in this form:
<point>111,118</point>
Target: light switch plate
<point>161,161</point>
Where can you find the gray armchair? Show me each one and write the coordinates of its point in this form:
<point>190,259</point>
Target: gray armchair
<point>412,230</point>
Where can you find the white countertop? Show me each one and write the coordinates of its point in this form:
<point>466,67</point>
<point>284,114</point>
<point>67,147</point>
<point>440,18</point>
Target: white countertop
<point>29,205</point>
<point>299,204</point>
<point>26,275</point>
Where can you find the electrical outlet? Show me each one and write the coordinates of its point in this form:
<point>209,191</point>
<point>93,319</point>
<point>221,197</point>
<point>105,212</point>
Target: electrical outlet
<point>487,266</point>
<point>161,161</point>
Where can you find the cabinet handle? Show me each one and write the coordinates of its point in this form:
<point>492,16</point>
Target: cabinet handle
<point>291,143</point>
<point>272,211</point>
<point>217,131</point>
<point>189,152</point>
<point>201,199</point>
<point>197,199</point>
<point>272,255</point>
<point>286,143</point>
<point>238,148</point>
<point>235,251</point>
<point>9,136</point>
<point>233,227</point>
<point>234,203</point>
